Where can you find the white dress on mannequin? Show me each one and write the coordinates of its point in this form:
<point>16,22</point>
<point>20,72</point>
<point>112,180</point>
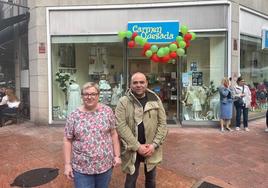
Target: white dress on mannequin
<point>74,99</point>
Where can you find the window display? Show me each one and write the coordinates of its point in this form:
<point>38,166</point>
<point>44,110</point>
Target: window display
<point>100,62</point>
<point>201,73</point>
<point>254,69</point>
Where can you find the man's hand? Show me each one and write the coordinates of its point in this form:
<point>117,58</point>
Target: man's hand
<point>143,149</point>
<point>68,171</point>
<point>150,151</point>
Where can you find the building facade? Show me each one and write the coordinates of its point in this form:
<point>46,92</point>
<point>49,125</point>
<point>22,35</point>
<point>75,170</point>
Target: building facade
<point>78,41</point>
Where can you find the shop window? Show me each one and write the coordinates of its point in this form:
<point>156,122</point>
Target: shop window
<point>254,69</point>
<point>201,73</point>
<point>77,60</point>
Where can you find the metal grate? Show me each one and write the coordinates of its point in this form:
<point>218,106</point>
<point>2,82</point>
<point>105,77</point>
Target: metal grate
<point>208,185</point>
<point>35,177</point>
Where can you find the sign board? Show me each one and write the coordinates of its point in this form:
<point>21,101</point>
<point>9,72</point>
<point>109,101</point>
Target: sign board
<point>156,32</point>
<point>197,79</point>
<point>265,39</point>
<point>42,48</point>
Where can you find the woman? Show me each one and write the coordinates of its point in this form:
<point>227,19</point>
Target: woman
<point>242,102</point>
<point>91,145</point>
<point>9,103</point>
<point>226,104</point>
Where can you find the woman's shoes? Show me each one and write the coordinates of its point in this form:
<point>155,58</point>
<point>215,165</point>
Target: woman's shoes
<point>229,129</point>
<point>222,129</point>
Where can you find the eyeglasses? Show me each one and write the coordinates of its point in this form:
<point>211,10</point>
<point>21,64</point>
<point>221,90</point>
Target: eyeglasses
<point>90,94</point>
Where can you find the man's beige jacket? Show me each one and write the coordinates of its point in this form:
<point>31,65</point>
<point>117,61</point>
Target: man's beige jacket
<point>129,114</point>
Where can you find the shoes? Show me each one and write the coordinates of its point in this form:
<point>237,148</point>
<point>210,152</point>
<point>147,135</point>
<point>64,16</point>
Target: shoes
<point>247,129</point>
<point>266,130</point>
<point>237,128</point>
<point>229,129</point>
<point>222,129</point>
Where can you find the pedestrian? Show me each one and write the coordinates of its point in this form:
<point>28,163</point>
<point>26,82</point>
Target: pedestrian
<point>91,144</point>
<point>141,125</point>
<point>242,102</point>
<point>226,104</point>
<point>9,105</point>
<point>266,130</point>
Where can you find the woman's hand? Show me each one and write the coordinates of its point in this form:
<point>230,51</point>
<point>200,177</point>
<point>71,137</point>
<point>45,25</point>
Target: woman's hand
<point>117,161</point>
<point>68,171</point>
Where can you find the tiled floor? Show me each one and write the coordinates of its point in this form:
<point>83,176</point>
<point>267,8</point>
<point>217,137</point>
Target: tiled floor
<point>235,159</point>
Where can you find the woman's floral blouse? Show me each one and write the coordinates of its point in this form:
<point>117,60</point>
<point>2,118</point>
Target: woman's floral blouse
<point>92,148</point>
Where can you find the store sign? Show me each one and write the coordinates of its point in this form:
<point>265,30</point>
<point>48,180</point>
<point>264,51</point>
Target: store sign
<point>42,48</point>
<point>156,32</point>
<point>264,39</point>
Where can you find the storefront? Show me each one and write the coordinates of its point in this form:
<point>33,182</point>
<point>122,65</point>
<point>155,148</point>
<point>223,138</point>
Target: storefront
<point>14,61</point>
<point>254,57</point>
<point>83,46</point>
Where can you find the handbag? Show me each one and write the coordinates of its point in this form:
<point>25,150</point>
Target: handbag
<point>240,101</point>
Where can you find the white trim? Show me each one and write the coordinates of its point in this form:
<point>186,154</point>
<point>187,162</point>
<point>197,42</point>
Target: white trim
<point>239,38</point>
<point>253,12</point>
<point>49,69</point>
<point>207,30</point>
<point>229,41</point>
<point>135,6</point>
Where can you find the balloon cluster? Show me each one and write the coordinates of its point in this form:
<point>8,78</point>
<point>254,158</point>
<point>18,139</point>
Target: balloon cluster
<point>165,53</point>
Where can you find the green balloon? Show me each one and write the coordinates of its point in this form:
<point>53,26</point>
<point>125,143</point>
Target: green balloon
<point>173,47</point>
<point>122,34</point>
<point>148,53</point>
<point>138,39</point>
<point>143,41</point>
<point>161,52</point>
<point>179,38</point>
<point>128,34</point>
<point>180,52</point>
<point>184,29</point>
<point>166,50</point>
<point>154,48</point>
<point>193,35</point>
<point>182,44</point>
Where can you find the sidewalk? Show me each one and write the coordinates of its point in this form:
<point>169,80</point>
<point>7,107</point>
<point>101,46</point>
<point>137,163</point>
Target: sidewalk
<point>230,159</point>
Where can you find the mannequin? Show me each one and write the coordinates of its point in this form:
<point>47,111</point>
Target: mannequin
<point>196,104</point>
<point>215,106</point>
<point>116,95</point>
<point>105,92</point>
<point>74,99</point>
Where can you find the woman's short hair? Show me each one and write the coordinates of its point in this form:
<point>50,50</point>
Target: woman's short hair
<point>239,79</point>
<point>225,80</point>
<point>89,85</point>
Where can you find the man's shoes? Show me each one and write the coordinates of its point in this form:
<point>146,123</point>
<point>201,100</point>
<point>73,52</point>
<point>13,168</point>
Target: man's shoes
<point>266,130</point>
<point>247,129</point>
<point>237,128</point>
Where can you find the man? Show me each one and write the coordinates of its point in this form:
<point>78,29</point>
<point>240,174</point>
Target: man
<point>141,125</point>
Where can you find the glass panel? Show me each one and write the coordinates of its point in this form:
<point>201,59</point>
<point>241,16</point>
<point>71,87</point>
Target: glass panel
<point>201,73</point>
<point>254,69</point>
<point>162,79</point>
<point>78,63</point>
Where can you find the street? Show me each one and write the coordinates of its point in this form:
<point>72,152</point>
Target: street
<point>191,155</point>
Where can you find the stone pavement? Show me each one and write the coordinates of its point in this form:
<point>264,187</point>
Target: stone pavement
<point>191,155</point>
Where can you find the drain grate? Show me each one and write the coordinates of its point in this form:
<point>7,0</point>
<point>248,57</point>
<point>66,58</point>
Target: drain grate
<point>35,177</point>
<point>208,185</point>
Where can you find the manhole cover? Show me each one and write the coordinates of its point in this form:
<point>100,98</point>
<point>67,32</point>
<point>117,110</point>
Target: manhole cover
<point>35,177</point>
<point>208,185</point>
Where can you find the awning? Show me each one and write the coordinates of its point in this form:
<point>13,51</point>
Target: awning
<point>4,23</point>
<point>7,32</point>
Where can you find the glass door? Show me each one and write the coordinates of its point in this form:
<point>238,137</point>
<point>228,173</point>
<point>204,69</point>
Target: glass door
<point>162,79</point>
